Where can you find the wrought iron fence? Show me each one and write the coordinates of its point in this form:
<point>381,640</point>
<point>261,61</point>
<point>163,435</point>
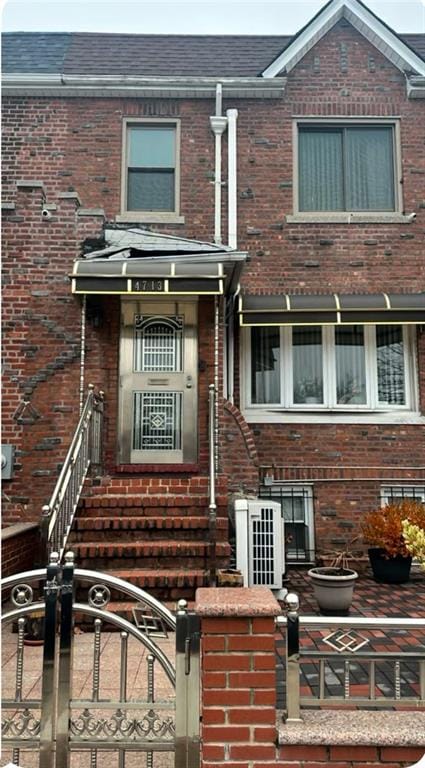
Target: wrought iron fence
<point>85,451</point>
<point>348,662</point>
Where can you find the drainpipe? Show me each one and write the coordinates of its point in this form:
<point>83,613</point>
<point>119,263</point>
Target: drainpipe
<point>232,115</point>
<point>218,125</point>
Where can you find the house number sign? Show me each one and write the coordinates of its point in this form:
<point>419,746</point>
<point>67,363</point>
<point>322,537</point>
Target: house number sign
<point>149,285</point>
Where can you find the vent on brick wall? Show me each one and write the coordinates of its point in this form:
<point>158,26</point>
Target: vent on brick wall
<point>260,543</point>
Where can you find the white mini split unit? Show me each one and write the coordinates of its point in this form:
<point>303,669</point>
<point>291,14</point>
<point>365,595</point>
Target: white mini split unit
<point>260,544</point>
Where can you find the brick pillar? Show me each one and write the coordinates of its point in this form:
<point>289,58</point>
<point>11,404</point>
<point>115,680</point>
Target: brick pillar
<point>238,676</point>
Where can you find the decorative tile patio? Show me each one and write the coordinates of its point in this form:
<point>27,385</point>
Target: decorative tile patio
<point>371,600</point>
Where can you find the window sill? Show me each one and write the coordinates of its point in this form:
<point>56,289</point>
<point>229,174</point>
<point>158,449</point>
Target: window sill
<point>257,416</point>
<point>349,218</point>
<point>139,217</point>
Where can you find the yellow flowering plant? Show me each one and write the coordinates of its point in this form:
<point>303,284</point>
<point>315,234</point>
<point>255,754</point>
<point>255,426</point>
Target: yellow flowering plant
<point>414,539</point>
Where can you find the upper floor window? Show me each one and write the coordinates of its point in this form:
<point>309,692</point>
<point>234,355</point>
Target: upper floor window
<point>352,367</point>
<point>151,168</point>
<point>347,167</point>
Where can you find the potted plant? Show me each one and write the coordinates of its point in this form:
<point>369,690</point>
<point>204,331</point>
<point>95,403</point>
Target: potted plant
<point>333,584</point>
<point>390,556</point>
<point>414,538</point>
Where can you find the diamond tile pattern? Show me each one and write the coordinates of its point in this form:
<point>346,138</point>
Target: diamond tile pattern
<point>370,600</point>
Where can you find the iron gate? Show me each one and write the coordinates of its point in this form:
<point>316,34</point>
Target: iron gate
<point>118,712</point>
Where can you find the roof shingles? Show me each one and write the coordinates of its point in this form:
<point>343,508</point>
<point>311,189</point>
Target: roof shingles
<point>149,55</point>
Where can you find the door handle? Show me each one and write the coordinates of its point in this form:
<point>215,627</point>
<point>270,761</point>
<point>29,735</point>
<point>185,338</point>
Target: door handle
<point>189,382</point>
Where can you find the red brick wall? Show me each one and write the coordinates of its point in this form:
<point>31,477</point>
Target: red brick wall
<point>19,551</point>
<point>348,756</point>
<point>75,145</point>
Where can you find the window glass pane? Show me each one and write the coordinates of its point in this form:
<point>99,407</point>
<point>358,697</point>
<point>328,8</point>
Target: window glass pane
<point>350,365</point>
<point>390,365</point>
<point>265,365</point>
<point>150,190</point>
<point>369,169</point>
<point>307,365</point>
<point>151,146</point>
<point>320,170</point>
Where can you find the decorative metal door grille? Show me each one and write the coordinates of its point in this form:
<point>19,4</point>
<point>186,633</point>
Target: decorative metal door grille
<point>158,344</point>
<point>118,713</point>
<point>263,541</point>
<point>157,421</point>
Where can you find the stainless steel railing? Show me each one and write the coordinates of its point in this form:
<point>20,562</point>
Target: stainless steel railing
<point>85,451</point>
<point>346,642</point>
<point>212,508</point>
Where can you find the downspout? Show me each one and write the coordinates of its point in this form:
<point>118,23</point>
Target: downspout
<point>82,350</point>
<point>218,126</point>
<point>232,115</point>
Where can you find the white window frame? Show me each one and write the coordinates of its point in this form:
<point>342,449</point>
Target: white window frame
<point>389,492</point>
<point>172,217</point>
<point>367,216</point>
<point>329,405</point>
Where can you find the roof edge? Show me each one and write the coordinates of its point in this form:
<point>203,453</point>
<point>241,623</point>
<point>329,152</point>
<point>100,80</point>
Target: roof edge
<point>365,21</point>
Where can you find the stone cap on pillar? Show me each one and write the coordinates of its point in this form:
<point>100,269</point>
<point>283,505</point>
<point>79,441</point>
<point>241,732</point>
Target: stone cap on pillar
<point>236,601</point>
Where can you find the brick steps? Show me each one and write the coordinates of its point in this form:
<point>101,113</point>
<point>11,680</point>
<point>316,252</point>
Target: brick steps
<point>156,541</point>
<point>163,504</point>
<point>146,554</point>
<point>155,527</point>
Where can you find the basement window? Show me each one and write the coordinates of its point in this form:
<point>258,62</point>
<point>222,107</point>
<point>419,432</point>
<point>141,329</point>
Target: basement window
<point>391,494</point>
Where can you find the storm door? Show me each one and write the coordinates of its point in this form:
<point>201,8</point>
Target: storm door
<point>158,382</point>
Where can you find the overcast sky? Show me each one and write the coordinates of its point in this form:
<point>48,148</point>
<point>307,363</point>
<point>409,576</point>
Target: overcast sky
<point>199,17</point>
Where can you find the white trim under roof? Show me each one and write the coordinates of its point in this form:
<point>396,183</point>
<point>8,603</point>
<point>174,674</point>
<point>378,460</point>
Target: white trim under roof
<point>377,33</point>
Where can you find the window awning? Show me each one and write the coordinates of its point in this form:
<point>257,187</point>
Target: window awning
<point>140,276</point>
<point>332,309</point>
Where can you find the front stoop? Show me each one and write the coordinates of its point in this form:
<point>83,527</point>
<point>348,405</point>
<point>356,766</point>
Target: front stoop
<point>158,542</point>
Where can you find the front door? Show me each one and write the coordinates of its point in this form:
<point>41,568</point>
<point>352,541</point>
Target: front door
<point>158,382</point>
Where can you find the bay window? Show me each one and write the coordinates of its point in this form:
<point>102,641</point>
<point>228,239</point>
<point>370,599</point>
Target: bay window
<point>347,367</point>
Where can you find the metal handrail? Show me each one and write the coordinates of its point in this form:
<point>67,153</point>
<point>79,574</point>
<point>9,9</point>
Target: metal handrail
<point>293,622</point>
<point>212,507</point>
<point>85,451</point>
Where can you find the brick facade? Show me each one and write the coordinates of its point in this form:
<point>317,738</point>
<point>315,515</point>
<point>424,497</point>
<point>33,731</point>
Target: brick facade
<point>73,147</point>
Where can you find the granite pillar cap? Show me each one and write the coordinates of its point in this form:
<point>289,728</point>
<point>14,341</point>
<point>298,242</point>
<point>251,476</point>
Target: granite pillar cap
<point>232,602</point>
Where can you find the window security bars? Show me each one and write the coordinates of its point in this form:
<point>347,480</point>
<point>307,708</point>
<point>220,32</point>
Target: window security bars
<point>157,421</point>
<point>297,510</point>
<point>391,494</point>
<point>335,657</point>
<point>85,451</point>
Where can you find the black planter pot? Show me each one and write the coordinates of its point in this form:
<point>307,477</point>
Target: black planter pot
<point>389,570</point>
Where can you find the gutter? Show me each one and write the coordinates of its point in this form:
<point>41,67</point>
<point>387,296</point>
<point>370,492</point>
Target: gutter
<point>33,84</point>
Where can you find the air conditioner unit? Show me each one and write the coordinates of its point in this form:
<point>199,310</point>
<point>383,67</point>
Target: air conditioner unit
<point>260,543</point>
